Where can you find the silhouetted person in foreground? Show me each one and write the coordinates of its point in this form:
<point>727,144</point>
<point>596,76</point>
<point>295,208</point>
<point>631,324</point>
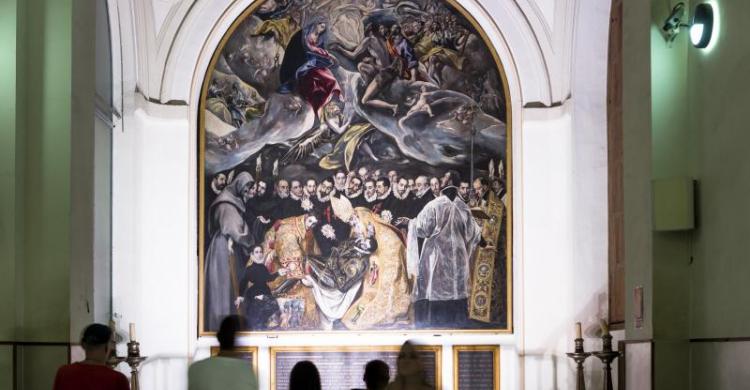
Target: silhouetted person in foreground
<point>223,371</point>
<point>304,376</point>
<point>409,374</point>
<point>93,372</point>
<point>377,375</point>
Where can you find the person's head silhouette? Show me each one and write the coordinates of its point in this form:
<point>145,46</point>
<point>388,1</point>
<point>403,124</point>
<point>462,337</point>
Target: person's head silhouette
<point>228,329</point>
<point>377,375</point>
<point>304,376</point>
<point>409,370</point>
<point>97,341</point>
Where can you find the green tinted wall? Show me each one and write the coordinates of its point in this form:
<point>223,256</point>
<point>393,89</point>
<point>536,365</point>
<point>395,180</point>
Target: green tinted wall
<point>9,142</point>
<point>719,101</point>
<point>719,287</point>
<point>6,367</point>
<point>671,153</point>
<point>35,90</point>
<point>698,279</point>
<point>46,234</point>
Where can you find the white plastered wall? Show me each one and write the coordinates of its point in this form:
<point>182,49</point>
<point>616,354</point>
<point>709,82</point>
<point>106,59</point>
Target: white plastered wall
<point>554,53</point>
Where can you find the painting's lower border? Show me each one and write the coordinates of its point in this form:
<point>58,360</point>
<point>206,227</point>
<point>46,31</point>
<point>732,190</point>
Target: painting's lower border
<point>328,355</point>
<point>241,353</point>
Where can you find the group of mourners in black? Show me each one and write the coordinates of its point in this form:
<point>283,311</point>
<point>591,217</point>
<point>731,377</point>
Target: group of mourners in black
<point>393,197</point>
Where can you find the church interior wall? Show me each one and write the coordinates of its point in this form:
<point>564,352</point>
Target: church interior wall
<point>637,163</point>
<point>91,163</point>
<point>35,189</point>
<point>671,151</point>
<point>154,202</point>
<point>10,148</point>
<point>718,292</point>
<point>683,120</point>
<point>42,283</point>
<point>657,145</point>
<point>10,139</point>
<point>559,216</point>
<point>716,102</point>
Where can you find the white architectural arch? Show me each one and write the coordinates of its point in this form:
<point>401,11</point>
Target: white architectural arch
<point>535,50</point>
<point>554,57</point>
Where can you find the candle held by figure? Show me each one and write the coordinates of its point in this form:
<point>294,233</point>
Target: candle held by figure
<point>578,331</point>
<point>132,331</point>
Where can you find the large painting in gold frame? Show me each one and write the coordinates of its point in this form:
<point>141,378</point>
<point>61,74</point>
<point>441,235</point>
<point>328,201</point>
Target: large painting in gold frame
<point>354,171</point>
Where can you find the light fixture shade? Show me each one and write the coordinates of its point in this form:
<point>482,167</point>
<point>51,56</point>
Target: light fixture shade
<point>703,25</point>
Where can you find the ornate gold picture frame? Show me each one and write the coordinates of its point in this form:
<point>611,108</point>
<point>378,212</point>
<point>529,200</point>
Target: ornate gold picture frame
<point>493,349</point>
<point>327,354</point>
<point>286,106</point>
<point>241,353</point>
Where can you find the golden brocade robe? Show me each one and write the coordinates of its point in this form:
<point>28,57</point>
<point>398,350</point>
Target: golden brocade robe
<point>483,266</point>
<point>384,299</point>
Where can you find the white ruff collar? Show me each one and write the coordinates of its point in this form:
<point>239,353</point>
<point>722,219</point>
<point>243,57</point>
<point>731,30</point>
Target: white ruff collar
<point>214,189</point>
<point>353,194</point>
<point>323,199</point>
<point>295,197</point>
<point>402,197</point>
<point>419,195</point>
<point>371,198</point>
<point>385,195</point>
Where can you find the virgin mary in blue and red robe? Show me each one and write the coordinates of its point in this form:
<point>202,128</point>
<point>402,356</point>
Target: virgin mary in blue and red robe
<point>306,67</point>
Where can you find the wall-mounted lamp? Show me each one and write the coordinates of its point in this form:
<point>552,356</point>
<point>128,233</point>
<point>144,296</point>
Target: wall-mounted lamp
<point>701,27</point>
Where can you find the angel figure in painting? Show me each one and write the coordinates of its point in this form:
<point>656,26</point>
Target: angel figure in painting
<point>306,67</point>
<point>277,21</point>
<point>372,50</point>
<point>332,124</point>
<point>420,103</point>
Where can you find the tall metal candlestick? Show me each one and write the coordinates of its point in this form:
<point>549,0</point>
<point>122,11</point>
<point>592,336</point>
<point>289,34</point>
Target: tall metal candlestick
<point>579,356</point>
<point>607,355</point>
<point>134,360</point>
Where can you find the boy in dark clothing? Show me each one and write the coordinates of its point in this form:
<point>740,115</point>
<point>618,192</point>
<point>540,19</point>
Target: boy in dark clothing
<point>260,304</point>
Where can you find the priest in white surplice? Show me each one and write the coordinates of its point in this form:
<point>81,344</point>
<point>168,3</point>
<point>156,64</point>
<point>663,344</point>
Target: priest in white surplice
<point>442,267</point>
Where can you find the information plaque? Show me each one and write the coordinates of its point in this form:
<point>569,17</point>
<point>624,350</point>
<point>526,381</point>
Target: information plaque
<point>341,368</point>
<point>245,353</point>
<point>476,367</point>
